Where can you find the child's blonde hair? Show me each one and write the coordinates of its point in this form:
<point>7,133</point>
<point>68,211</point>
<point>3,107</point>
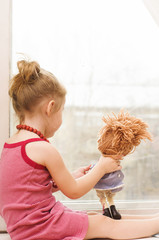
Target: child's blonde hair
<point>30,85</point>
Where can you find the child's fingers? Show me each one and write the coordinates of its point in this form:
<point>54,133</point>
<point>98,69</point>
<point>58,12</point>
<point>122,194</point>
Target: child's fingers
<point>87,168</point>
<point>119,167</point>
<point>118,157</point>
<point>118,162</point>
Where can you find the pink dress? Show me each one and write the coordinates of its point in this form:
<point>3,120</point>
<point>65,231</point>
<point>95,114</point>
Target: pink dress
<point>27,205</point>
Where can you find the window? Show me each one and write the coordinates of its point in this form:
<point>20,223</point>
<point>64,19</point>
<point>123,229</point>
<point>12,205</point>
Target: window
<point>106,53</point>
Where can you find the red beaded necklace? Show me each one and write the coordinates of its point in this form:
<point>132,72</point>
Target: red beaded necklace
<point>30,129</point>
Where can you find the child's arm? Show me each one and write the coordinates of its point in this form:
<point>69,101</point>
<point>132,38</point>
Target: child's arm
<point>66,183</point>
<point>76,174</point>
<point>48,156</point>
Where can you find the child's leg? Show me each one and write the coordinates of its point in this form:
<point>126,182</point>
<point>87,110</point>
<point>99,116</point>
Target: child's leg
<point>149,216</point>
<point>104,227</point>
<point>126,216</point>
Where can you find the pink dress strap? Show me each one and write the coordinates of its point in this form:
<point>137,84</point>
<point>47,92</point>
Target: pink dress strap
<point>23,151</point>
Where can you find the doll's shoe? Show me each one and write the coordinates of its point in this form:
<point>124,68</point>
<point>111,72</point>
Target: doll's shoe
<point>107,212</point>
<point>156,235</point>
<point>114,212</point>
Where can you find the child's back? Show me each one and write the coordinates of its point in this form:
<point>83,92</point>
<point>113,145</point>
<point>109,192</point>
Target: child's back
<point>27,204</point>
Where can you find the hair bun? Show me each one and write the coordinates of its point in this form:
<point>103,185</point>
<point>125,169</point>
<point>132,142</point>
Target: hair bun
<point>29,71</point>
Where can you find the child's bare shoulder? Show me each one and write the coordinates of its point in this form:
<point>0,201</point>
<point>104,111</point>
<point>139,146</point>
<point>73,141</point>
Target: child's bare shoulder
<point>42,152</point>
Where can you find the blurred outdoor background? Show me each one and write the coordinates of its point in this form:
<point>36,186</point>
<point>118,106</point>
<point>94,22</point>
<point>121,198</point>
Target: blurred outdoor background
<point>106,53</point>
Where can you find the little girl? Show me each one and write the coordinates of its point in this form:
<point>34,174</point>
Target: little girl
<point>30,168</point>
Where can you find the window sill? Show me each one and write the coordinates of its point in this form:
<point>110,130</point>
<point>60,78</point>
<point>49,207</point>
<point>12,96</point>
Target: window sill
<point>134,207</point>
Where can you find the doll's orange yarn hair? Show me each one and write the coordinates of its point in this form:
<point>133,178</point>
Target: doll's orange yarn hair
<point>121,134</point>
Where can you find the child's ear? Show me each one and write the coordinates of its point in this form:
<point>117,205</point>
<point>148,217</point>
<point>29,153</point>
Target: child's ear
<point>50,107</point>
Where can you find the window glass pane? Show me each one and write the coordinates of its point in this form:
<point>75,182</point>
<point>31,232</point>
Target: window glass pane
<point>106,53</point>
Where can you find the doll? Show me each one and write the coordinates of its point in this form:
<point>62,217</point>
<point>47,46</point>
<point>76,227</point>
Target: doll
<point>119,137</point>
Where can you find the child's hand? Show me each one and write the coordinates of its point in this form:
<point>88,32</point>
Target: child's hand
<point>81,171</point>
<point>110,164</point>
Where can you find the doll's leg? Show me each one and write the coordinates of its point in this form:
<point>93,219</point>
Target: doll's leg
<point>114,212</point>
<point>102,198</point>
<point>104,227</point>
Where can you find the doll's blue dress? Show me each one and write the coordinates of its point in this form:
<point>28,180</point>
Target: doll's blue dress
<point>111,181</point>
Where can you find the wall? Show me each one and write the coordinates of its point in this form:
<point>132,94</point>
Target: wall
<point>5,50</point>
<point>153,7</point>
